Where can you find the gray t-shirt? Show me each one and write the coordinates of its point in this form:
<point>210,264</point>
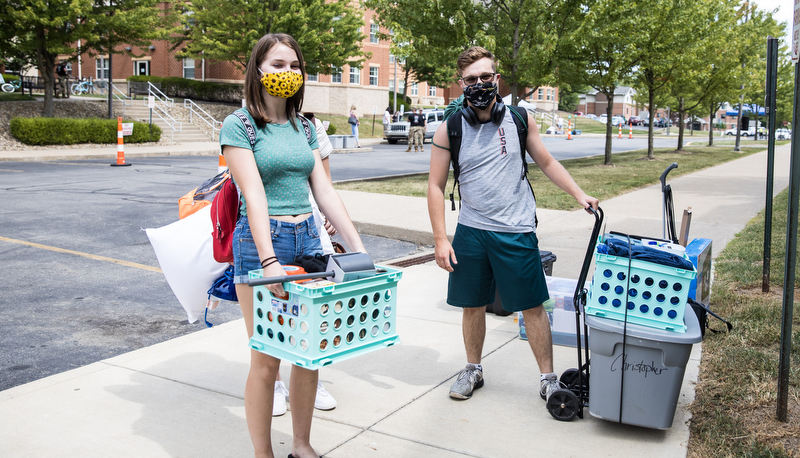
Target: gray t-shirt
<point>494,197</point>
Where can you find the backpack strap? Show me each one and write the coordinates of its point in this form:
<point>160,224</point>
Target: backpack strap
<point>520,116</point>
<point>248,128</point>
<point>306,127</point>
<point>454,134</point>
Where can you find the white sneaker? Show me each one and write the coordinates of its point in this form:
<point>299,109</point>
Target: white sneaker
<point>279,399</point>
<point>324,400</point>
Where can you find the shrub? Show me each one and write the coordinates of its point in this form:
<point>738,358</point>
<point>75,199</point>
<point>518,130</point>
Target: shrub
<point>400,101</point>
<point>67,131</point>
<point>331,129</point>
<point>10,78</point>
<point>174,86</point>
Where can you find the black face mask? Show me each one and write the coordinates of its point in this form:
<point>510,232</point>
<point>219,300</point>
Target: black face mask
<point>480,95</point>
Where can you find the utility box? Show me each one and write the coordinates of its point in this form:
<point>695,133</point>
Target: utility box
<point>647,378</point>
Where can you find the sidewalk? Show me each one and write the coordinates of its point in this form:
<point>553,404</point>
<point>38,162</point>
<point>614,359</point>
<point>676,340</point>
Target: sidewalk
<point>184,397</point>
<point>200,148</point>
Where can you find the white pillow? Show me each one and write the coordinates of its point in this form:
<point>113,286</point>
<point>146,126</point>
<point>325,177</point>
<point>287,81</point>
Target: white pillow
<point>185,253</point>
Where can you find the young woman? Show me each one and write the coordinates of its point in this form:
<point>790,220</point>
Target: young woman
<point>354,127</point>
<point>276,222</point>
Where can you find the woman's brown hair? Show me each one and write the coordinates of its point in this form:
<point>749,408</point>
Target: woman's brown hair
<point>254,90</point>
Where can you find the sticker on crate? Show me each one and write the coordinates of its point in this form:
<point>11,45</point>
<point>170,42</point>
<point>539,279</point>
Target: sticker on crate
<point>641,292</point>
<point>323,322</point>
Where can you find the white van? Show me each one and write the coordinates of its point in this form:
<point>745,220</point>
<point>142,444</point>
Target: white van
<point>397,131</point>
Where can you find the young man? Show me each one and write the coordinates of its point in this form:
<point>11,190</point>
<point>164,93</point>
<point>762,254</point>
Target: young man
<point>495,241</point>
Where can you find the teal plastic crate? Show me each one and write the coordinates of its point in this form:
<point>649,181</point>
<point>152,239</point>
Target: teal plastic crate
<point>323,322</point>
<point>657,295</point>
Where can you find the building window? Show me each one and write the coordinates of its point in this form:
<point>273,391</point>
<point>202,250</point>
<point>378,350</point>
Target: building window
<point>314,77</point>
<point>355,75</point>
<point>415,88</point>
<point>401,87</point>
<point>432,91</point>
<point>540,95</point>
<point>391,58</point>
<point>373,76</point>
<point>141,67</point>
<point>336,75</point>
<point>548,94</point>
<point>373,33</point>
<point>188,68</point>
<point>101,66</point>
<point>391,85</point>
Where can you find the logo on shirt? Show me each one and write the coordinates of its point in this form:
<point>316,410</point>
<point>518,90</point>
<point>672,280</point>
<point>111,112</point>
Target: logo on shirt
<point>502,133</point>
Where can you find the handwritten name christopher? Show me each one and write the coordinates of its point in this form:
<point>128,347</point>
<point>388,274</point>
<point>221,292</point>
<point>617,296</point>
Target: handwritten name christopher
<point>640,367</point>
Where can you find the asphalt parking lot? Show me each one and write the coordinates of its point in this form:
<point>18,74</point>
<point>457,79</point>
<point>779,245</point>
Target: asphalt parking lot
<point>80,280</point>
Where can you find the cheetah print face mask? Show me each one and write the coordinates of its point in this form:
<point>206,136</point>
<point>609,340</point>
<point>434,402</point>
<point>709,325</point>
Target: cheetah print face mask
<point>282,84</point>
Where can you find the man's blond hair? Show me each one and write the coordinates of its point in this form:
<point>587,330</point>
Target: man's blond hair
<point>472,55</point>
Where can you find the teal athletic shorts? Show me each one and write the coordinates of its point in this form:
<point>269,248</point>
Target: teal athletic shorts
<point>503,260</point>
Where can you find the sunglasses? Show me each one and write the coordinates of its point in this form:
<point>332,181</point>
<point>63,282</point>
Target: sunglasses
<point>485,78</point>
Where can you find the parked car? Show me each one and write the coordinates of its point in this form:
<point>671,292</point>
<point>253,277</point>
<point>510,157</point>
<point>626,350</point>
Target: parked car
<point>617,120</point>
<point>745,133</point>
<point>635,121</point>
<point>578,113</point>
<point>646,122</point>
<point>783,134</point>
<point>590,116</point>
<point>397,131</point>
<point>662,122</point>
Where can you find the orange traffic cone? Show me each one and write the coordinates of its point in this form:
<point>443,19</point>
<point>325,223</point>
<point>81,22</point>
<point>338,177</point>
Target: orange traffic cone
<point>120,146</point>
<point>630,131</point>
<point>222,164</point>
<point>569,130</point>
<point>620,130</point>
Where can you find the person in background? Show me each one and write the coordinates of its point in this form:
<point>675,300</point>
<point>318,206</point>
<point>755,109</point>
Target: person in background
<point>412,117</point>
<point>354,127</point>
<point>387,119</point>
<point>276,221</point>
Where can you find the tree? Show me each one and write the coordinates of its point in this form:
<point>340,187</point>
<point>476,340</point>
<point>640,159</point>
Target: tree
<point>428,35</point>
<point>528,39</point>
<point>39,32</point>
<point>329,33</point>
<point>605,51</point>
<point>569,97</point>
<point>662,47</point>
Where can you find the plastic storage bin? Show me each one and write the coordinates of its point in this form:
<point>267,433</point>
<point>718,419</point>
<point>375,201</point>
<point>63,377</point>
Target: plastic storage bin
<point>322,322</point>
<point>657,296</point>
<point>560,310</point>
<point>653,367</point>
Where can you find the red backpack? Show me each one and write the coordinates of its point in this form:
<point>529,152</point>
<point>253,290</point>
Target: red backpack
<point>224,215</point>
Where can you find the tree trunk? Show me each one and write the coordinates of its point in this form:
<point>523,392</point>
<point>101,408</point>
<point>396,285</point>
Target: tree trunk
<point>711,124</point>
<point>651,98</point>
<point>680,123</point>
<point>609,127</point>
<point>47,66</point>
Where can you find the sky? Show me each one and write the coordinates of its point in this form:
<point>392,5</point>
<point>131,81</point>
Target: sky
<point>784,13</point>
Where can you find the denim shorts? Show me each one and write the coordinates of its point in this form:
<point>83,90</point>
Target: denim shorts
<point>487,260</point>
<point>289,240</point>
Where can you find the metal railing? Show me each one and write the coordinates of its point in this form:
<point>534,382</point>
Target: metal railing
<point>122,97</point>
<point>161,112</point>
<point>160,96</point>
<point>195,110</point>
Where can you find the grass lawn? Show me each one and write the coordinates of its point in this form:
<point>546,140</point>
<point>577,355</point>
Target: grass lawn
<point>629,172</point>
<point>364,130</point>
<point>734,412</point>
<point>14,97</point>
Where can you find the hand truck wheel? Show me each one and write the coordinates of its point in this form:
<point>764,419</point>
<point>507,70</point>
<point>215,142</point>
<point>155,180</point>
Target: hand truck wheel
<point>563,405</point>
<point>569,378</point>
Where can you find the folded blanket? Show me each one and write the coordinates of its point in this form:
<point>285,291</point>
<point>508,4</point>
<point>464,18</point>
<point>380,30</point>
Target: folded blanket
<point>619,247</point>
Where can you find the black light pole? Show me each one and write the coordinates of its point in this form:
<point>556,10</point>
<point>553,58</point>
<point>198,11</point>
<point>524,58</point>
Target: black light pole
<point>769,105</point>
<point>110,111</point>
